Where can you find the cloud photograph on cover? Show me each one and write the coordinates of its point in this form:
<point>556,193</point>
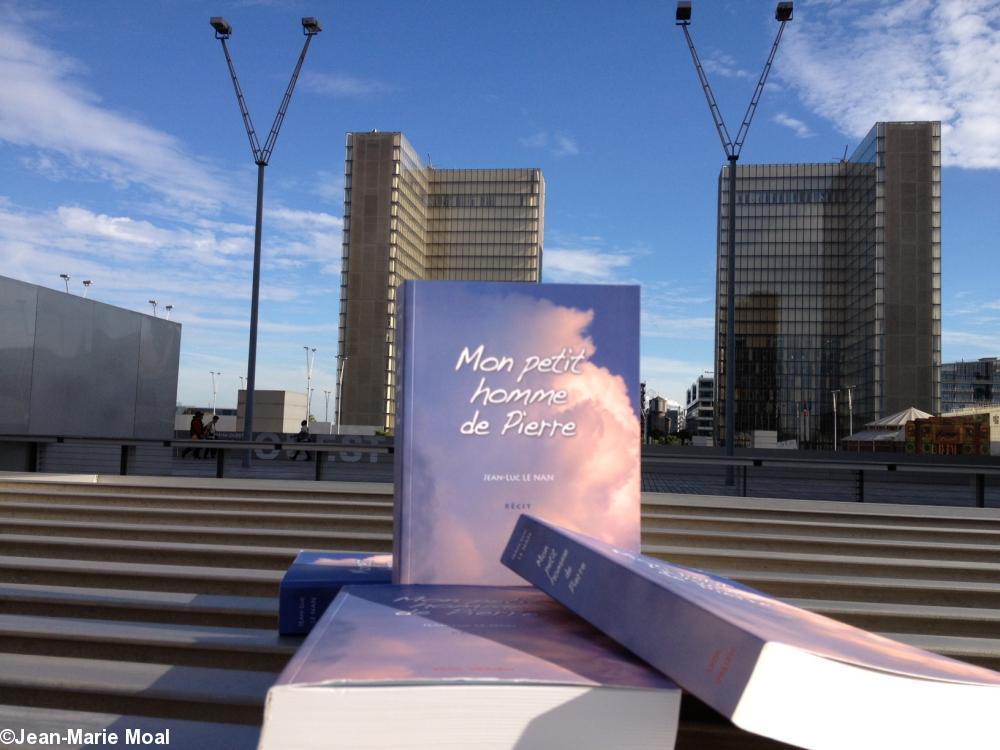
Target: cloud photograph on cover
<point>581,469</point>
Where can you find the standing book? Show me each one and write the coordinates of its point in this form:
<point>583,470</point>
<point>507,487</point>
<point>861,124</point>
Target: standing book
<point>773,668</point>
<point>511,398</point>
<point>465,667</point>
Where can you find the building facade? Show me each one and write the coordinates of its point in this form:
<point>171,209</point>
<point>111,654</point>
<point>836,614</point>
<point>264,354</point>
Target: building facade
<point>970,384</point>
<point>699,409</point>
<point>838,287</point>
<point>403,220</point>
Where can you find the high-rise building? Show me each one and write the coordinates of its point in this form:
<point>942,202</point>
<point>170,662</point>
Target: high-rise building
<point>404,219</point>
<point>968,384</point>
<point>838,287</point>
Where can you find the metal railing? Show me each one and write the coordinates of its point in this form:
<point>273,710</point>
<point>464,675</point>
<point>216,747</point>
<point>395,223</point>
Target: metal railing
<point>859,466</point>
<point>127,447</point>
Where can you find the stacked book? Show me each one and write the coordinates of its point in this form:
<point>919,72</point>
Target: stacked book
<point>521,613</point>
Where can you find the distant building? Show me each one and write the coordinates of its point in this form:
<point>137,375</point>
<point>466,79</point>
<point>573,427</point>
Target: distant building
<point>656,417</point>
<point>838,285</point>
<point>404,219</point>
<point>969,384</point>
<point>273,411</point>
<point>699,409</point>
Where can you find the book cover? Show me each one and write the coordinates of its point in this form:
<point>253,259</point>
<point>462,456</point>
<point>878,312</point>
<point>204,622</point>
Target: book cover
<point>512,398</point>
<point>497,668</point>
<point>773,668</point>
<point>313,580</point>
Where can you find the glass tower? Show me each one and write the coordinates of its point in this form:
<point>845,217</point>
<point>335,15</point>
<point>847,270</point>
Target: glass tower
<point>838,287</point>
<point>407,220</point>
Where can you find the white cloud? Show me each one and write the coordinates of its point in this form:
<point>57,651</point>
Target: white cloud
<point>798,127</point>
<point>583,265</point>
<point>341,84</point>
<point>719,63</point>
<point>557,144</point>
<point>677,327</point>
<point>857,62</point>
<point>43,106</point>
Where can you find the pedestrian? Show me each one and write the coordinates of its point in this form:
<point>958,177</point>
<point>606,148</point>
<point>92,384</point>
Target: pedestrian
<point>302,437</point>
<point>197,432</point>
<point>210,435</point>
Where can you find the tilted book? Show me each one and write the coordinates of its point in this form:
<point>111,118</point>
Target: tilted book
<point>511,398</point>
<point>773,668</point>
<point>313,580</point>
<point>464,667</point>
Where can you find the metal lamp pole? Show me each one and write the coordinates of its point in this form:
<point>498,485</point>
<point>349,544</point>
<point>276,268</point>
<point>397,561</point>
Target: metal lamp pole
<point>340,388</point>
<point>834,420</point>
<point>261,156</point>
<point>310,359</point>
<point>214,391</point>
<point>783,14</point>
<point>326,411</point>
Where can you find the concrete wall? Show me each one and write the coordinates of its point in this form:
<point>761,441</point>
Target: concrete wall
<point>77,367</point>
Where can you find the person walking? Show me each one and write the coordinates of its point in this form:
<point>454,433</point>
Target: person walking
<point>197,432</point>
<point>210,435</point>
<point>302,437</point>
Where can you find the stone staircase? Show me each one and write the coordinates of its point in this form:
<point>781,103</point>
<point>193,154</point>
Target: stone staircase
<point>140,602</point>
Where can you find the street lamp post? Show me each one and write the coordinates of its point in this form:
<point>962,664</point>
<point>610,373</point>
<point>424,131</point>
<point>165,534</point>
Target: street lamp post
<point>783,14</point>
<point>834,420</point>
<point>326,411</point>
<point>153,303</point>
<point>168,308</point>
<point>214,391</point>
<point>310,360</point>
<point>223,30</point>
<point>65,277</point>
<point>86,287</point>
<point>850,408</point>
<point>340,388</point>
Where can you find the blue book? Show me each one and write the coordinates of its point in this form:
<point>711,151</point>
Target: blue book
<point>464,667</point>
<point>314,579</point>
<point>772,668</point>
<point>511,398</point>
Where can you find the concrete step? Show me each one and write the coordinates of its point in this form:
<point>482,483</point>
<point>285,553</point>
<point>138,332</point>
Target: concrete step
<point>817,544</point>
<point>183,734</point>
<point>106,484</point>
<point>140,576</point>
<point>257,612</point>
<point>231,518</point>
<point>119,687</point>
<point>982,651</point>
<point>291,538</point>
<point>189,645</point>
<point>833,587</point>
<point>825,510</point>
<point>858,566</point>
<point>333,505</point>
<point>167,553</point>
<point>888,617</point>
<point>746,522</point>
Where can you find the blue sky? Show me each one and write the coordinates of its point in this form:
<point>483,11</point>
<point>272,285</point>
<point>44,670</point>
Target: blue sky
<point>123,158</point>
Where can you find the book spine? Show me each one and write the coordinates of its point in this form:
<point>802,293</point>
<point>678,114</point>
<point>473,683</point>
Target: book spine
<point>704,654</point>
<point>301,606</point>
<point>403,437</point>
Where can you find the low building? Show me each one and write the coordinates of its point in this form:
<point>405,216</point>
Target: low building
<point>699,409</point>
<point>970,384</point>
<point>273,411</point>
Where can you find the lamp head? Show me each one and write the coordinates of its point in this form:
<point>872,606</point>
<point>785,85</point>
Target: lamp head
<point>683,16</point>
<point>222,28</point>
<point>783,12</point>
<point>310,26</point>
<point>87,282</point>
